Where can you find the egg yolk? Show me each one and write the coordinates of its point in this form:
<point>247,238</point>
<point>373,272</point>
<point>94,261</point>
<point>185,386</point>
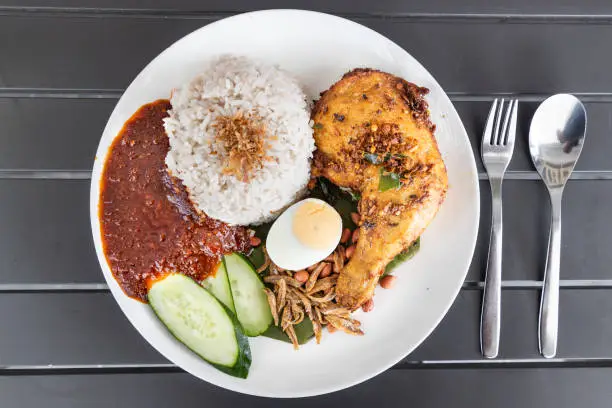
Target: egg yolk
<point>316,225</point>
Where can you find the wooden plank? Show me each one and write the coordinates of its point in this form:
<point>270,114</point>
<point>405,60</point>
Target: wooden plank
<point>45,232</point>
<point>596,151</point>
<point>481,57</point>
<point>585,327</point>
<point>51,133</point>
<point>28,125</point>
<point>69,328</point>
<point>89,329</point>
<point>585,234</point>
<point>46,235</point>
<point>586,231</point>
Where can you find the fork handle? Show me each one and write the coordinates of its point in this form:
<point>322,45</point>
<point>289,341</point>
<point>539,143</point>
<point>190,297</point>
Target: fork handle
<point>549,304</point>
<point>491,301</point>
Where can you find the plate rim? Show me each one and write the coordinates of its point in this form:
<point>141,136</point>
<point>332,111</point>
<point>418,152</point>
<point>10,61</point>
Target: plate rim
<point>120,297</point>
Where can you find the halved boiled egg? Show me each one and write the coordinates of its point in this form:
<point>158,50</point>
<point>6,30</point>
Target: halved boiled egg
<point>306,233</point>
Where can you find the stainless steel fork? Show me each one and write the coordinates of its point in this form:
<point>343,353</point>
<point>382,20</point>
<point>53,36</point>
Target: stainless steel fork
<point>497,148</point>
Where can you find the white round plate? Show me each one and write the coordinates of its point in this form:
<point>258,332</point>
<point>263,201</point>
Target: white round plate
<point>318,48</point>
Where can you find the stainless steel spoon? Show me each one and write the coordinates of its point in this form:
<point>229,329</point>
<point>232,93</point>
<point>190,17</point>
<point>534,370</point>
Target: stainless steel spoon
<point>556,137</point>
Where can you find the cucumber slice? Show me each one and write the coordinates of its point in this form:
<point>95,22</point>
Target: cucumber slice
<point>250,301</point>
<point>219,286</point>
<point>199,321</point>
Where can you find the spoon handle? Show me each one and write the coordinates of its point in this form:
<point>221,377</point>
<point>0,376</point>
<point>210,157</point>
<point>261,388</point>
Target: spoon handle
<point>549,305</point>
<point>491,300</point>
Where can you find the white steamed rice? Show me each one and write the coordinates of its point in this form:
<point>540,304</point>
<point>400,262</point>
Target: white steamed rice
<point>228,85</point>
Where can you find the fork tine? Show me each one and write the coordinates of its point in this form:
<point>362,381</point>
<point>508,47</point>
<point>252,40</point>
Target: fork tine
<point>503,135</point>
<point>497,138</point>
<point>487,137</point>
<point>512,127</point>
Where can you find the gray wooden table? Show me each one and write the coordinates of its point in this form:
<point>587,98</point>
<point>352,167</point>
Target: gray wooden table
<point>64,342</point>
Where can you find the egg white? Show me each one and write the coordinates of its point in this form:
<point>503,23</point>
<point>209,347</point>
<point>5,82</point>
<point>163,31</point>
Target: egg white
<point>286,250</point>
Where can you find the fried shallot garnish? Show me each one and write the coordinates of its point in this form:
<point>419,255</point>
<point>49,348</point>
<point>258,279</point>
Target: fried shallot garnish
<point>243,137</point>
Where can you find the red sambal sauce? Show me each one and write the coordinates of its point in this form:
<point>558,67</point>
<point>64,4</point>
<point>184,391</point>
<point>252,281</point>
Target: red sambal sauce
<point>147,228</point>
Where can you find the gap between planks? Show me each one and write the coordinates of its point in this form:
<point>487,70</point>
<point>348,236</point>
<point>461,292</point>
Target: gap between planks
<point>86,175</point>
<point>467,285</point>
<point>163,368</point>
<point>68,93</point>
<point>504,363</point>
<point>169,14</point>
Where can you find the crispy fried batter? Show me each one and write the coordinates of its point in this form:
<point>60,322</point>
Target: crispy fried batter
<point>369,123</point>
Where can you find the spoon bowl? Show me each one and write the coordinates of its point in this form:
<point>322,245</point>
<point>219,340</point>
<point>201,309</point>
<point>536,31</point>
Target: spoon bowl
<point>556,137</point>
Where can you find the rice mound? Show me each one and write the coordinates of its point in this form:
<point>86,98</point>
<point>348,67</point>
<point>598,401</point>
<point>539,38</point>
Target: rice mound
<point>227,86</point>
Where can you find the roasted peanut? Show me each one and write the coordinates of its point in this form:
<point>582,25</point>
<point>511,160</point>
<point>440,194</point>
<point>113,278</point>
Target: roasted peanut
<point>368,305</point>
<point>355,217</point>
<point>301,276</point>
<point>327,270</point>
<point>387,282</point>
<point>255,241</point>
<point>349,251</point>
<point>355,236</point>
<point>346,234</point>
